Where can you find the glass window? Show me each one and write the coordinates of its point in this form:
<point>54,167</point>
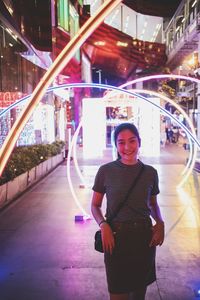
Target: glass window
<point>63,14</point>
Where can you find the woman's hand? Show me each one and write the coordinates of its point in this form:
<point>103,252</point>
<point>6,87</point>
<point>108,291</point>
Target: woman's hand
<point>107,237</point>
<point>158,234</point>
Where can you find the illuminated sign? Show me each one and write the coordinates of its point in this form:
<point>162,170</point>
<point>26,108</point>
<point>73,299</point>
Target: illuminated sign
<point>8,98</point>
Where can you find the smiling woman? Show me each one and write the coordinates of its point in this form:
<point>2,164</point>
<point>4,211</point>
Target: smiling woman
<point>128,237</point>
<point>128,142</point>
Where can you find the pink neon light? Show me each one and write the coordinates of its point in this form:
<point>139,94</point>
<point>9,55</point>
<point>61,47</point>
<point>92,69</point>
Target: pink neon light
<point>159,76</point>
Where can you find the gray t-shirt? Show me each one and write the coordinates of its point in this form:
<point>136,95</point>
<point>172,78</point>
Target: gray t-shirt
<point>115,179</point>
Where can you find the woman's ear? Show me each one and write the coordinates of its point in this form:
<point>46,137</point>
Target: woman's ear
<point>139,139</point>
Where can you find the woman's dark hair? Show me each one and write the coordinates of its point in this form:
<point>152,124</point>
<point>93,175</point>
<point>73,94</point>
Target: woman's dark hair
<point>125,126</point>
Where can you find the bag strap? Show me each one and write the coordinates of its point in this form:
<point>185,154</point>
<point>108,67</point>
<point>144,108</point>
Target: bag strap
<point>128,194</point>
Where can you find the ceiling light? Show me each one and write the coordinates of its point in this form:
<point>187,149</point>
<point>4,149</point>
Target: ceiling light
<point>122,44</point>
<point>10,10</point>
<point>100,43</point>
<point>191,61</point>
<point>193,4</point>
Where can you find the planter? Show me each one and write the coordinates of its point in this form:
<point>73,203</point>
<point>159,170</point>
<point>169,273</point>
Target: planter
<point>49,164</point>
<point>16,186</point>
<point>31,176</point>
<point>39,171</point>
<point>12,189</point>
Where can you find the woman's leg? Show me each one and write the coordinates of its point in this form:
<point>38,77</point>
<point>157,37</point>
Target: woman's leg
<point>139,294</point>
<point>119,296</point>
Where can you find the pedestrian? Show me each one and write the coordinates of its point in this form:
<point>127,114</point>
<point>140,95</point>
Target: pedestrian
<point>129,239</point>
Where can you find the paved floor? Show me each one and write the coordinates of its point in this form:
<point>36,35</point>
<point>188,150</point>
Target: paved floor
<point>44,254</point>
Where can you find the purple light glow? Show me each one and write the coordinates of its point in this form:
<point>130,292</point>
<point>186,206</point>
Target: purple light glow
<point>159,76</point>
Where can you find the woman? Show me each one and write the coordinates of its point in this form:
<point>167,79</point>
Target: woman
<point>129,240</point>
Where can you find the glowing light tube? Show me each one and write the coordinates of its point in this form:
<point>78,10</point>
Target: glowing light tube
<point>62,59</point>
<point>159,76</point>
<point>75,136</point>
<point>73,146</point>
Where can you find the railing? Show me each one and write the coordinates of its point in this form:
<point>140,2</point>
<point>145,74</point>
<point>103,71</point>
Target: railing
<point>185,23</point>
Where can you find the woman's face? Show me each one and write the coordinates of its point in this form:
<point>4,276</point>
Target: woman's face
<point>127,146</point>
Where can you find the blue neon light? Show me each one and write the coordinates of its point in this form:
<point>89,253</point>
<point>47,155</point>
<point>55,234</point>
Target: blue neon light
<point>105,86</point>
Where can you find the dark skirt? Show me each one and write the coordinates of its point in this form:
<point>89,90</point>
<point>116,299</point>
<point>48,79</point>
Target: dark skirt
<point>132,264</point>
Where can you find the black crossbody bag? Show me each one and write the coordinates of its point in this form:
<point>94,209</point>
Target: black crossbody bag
<point>98,245</point>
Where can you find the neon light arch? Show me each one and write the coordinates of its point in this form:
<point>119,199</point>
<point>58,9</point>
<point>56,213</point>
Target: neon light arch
<point>72,147</point>
<point>160,76</point>
<point>76,165</point>
<point>76,134</point>
<point>57,66</point>
<point>71,85</point>
<point>124,91</point>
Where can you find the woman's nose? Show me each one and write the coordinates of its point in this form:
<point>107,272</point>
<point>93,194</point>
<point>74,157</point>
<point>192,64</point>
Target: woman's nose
<point>126,145</point>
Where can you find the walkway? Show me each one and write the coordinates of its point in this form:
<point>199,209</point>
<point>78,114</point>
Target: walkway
<point>44,254</point>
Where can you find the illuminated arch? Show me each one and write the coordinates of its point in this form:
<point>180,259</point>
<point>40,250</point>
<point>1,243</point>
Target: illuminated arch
<point>74,140</point>
<point>108,87</point>
<point>123,91</point>
<point>62,59</point>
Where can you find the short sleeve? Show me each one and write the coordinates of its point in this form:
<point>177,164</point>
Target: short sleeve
<point>155,189</point>
<point>99,182</point>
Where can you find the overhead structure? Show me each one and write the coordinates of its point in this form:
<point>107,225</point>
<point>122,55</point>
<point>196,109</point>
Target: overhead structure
<point>164,8</point>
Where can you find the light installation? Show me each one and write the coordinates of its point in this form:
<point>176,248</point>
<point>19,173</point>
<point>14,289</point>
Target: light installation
<point>63,58</point>
<point>161,76</point>
<point>57,66</point>
<point>133,94</point>
<point>91,108</point>
<point>74,139</point>
<point>22,100</point>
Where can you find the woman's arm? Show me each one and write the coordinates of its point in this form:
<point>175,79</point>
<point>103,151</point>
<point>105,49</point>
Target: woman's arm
<point>97,199</point>
<point>155,209</point>
<point>106,231</point>
<point>158,228</point>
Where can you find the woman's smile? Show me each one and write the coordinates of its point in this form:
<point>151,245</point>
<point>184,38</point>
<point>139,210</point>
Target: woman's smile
<point>127,147</point>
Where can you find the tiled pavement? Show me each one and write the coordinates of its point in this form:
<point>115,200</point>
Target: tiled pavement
<point>44,254</point>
